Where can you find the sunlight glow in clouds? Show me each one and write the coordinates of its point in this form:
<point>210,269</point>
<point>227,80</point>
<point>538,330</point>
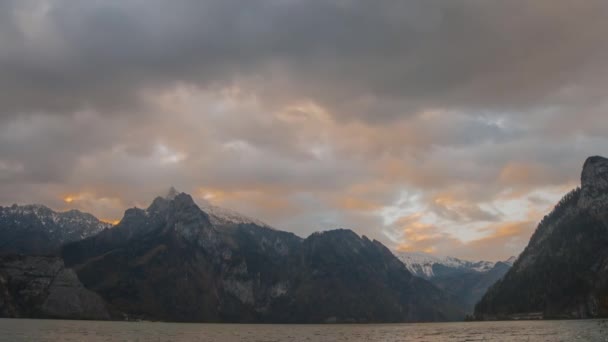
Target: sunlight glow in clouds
<point>452,131</point>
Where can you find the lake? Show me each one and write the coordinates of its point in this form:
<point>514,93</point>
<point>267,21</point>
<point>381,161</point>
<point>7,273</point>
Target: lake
<point>59,330</point>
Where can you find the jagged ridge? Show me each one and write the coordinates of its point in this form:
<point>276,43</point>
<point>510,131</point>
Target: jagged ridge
<point>36,229</point>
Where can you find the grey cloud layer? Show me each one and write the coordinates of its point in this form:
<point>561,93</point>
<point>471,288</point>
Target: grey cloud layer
<point>309,113</point>
<point>389,58</point>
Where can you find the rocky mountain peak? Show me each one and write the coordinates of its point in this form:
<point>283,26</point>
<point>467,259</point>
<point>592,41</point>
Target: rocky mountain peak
<point>594,184</point>
<point>173,199</point>
<point>172,193</point>
<point>184,200</point>
<point>595,173</point>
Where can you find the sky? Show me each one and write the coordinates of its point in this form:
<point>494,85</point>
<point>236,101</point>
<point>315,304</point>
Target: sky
<point>449,127</point>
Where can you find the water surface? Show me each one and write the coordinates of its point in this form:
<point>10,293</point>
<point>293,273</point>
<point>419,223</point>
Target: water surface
<point>58,330</point>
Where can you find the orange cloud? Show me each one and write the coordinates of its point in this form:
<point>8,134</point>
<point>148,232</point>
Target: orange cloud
<point>111,221</point>
<point>357,204</point>
<point>90,201</point>
<point>503,239</point>
<point>418,236</point>
<point>261,203</point>
<point>505,230</point>
<point>521,173</point>
<point>526,174</point>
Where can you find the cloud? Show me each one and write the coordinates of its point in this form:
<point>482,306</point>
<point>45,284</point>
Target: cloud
<point>370,62</point>
<point>504,240</point>
<point>307,114</point>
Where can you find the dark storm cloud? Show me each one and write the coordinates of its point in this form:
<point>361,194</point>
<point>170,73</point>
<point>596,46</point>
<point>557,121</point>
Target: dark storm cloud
<point>389,58</point>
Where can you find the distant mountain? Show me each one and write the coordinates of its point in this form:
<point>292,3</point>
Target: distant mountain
<point>563,272</point>
<point>36,229</point>
<point>467,281</point>
<point>430,266</point>
<point>469,287</point>
<point>174,261</point>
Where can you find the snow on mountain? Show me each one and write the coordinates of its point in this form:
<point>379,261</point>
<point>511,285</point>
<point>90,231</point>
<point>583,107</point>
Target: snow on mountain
<point>427,265</point>
<point>36,228</point>
<point>220,215</point>
<point>71,224</point>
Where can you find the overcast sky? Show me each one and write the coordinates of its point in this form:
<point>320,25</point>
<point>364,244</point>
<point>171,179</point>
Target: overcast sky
<point>449,127</point>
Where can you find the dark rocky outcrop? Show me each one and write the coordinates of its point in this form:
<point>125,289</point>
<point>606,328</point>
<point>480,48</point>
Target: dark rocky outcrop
<point>42,287</point>
<point>171,262</point>
<point>563,272</point>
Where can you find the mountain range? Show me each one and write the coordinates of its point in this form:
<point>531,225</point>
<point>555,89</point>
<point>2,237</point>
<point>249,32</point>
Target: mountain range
<point>36,229</point>
<point>179,261</point>
<point>171,262</point>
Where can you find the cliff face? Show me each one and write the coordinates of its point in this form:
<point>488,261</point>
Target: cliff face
<point>42,287</point>
<point>172,262</point>
<point>563,272</point>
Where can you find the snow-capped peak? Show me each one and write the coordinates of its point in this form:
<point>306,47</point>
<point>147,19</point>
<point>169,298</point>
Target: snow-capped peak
<point>219,215</point>
<point>424,265</point>
<point>63,226</point>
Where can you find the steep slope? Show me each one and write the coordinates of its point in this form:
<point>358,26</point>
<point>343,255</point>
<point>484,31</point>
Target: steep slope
<point>467,281</point>
<point>36,229</point>
<point>42,287</point>
<point>171,262</point>
<point>563,272</point>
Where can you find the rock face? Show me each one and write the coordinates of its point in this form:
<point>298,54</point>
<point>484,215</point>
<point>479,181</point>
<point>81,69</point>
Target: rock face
<point>172,261</point>
<point>36,229</point>
<point>563,272</point>
<point>42,287</point>
<point>594,185</point>
<point>467,281</point>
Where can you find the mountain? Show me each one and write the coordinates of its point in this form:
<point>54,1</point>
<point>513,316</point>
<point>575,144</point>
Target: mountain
<point>175,262</point>
<point>219,215</point>
<point>430,266</point>
<point>42,287</point>
<point>36,229</point>
<point>563,272</point>
<point>223,216</point>
<point>469,287</point>
<point>467,281</point>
